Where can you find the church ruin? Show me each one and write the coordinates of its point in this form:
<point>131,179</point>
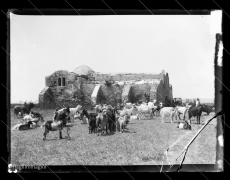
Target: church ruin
<point>86,87</point>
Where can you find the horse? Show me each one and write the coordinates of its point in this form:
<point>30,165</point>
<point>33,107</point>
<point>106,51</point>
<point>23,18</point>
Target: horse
<point>61,118</point>
<point>195,111</point>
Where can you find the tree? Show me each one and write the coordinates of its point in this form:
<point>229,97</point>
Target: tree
<point>147,97</point>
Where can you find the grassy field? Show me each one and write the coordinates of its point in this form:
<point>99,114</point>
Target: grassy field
<point>143,143</point>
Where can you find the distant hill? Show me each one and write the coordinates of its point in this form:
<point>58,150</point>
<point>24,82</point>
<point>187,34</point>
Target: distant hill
<point>202,100</point>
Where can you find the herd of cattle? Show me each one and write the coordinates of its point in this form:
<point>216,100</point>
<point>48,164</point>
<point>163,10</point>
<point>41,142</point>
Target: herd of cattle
<point>105,117</point>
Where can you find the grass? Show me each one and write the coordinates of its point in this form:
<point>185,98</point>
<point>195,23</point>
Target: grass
<point>144,143</point>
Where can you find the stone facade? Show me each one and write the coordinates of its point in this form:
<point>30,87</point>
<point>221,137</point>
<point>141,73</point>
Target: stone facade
<point>84,86</point>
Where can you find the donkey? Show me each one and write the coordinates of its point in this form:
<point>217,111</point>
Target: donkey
<point>61,118</point>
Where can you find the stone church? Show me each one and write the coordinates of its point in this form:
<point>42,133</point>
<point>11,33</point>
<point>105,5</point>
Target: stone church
<point>87,87</point>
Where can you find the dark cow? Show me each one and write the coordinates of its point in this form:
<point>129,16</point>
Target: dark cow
<point>207,109</point>
<point>195,111</point>
<point>61,118</point>
<point>25,109</point>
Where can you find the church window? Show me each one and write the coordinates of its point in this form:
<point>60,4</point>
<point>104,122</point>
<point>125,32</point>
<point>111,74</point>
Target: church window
<point>59,81</point>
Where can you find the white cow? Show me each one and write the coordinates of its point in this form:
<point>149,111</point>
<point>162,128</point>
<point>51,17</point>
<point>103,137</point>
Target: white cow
<point>167,111</point>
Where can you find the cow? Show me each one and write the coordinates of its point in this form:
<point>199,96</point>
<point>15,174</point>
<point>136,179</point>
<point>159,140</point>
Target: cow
<point>207,109</point>
<point>195,111</point>
<point>121,123</point>
<point>61,121</point>
<point>167,111</point>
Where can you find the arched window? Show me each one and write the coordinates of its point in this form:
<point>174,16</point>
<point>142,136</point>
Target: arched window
<point>63,81</point>
<point>59,81</point>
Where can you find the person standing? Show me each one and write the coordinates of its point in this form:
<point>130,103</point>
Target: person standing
<point>197,102</point>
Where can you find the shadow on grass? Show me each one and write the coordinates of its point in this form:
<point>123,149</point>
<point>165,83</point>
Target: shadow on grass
<point>127,131</point>
<point>57,139</point>
<point>108,134</point>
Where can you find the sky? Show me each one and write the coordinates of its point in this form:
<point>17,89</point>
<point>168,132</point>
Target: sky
<point>182,45</point>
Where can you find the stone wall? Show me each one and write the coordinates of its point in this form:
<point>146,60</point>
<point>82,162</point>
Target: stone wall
<point>78,90</point>
<point>126,77</point>
<point>71,93</point>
